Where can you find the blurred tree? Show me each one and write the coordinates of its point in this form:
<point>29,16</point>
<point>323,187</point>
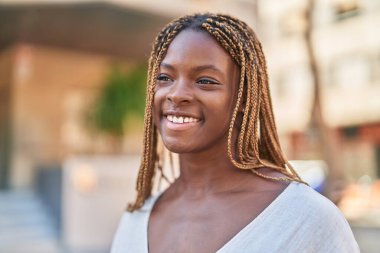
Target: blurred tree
<point>122,95</point>
<point>318,129</point>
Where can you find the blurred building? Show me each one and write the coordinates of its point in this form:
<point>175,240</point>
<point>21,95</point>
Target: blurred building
<point>53,59</point>
<point>347,46</point>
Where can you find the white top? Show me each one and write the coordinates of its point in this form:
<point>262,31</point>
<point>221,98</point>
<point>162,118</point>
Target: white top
<point>298,220</point>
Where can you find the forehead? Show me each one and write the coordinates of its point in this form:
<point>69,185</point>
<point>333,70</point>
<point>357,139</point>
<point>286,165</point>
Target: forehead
<point>197,47</point>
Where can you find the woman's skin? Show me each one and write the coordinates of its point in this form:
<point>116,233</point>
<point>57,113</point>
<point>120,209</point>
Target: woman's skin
<point>211,201</point>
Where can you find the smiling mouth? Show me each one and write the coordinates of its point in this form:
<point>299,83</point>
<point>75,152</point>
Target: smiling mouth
<point>181,119</point>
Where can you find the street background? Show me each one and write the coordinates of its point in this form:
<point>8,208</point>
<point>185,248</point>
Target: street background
<point>72,83</point>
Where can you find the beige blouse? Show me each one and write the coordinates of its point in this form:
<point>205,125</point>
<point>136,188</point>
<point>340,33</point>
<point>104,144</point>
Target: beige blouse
<point>298,220</point>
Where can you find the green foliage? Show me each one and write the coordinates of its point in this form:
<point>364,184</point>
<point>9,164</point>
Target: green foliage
<point>122,95</point>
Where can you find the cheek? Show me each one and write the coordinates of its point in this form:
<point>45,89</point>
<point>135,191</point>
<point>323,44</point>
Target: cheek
<point>220,111</point>
<point>159,96</point>
<point>223,104</point>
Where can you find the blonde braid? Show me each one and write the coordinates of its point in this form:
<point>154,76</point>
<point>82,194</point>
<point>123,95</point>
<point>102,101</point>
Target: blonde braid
<point>149,157</point>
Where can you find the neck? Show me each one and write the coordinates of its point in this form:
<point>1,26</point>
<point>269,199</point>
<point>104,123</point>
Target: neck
<point>209,171</point>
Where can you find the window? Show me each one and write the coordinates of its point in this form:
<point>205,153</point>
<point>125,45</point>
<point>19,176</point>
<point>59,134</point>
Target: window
<point>346,8</point>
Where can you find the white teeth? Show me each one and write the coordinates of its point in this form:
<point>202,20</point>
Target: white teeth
<point>181,119</point>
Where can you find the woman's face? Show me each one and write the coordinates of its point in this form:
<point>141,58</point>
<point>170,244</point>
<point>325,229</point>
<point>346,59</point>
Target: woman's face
<point>195,95</point>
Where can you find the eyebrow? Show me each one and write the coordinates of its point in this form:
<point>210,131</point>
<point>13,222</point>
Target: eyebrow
<point>197,68</point>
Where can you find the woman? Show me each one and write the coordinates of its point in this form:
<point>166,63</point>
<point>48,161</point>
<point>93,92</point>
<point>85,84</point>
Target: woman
<point>208,97</point>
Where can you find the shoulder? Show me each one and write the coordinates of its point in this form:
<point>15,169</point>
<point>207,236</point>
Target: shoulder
<point>313,206</point>
<point>131,223</point>
<point>317,206</point>
<point>321,221</point>
<point>131,219</point>
<point>130,235</point>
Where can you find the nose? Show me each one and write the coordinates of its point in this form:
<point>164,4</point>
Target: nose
<point>180,93</point>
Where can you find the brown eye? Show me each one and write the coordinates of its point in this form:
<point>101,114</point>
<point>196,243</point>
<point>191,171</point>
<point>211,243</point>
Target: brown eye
<point>163,78</point>
<point>206,81</point>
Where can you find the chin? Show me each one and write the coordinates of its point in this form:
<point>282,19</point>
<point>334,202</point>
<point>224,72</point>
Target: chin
<point>175,147</point>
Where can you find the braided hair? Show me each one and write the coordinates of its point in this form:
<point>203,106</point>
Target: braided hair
<point>258,143</point>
